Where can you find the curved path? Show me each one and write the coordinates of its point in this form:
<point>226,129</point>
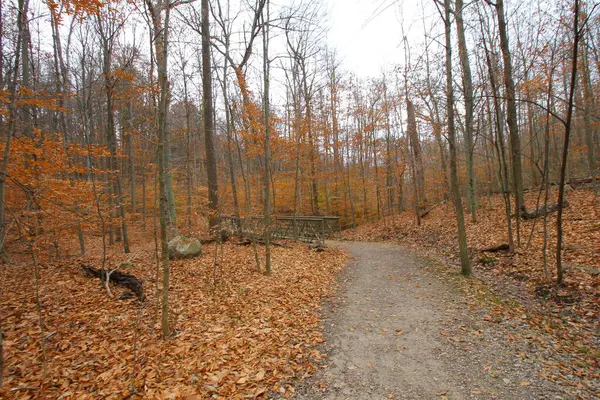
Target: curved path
<point>399,328</point>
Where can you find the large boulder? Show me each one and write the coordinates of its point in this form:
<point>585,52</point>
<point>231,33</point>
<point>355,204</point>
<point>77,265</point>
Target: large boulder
<point>184,247</point>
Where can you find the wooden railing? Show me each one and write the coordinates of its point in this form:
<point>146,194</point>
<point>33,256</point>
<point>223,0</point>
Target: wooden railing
<point>310,229</point>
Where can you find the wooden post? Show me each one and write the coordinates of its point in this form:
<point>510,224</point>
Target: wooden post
<point>295,229</point>
<point>322,231</point>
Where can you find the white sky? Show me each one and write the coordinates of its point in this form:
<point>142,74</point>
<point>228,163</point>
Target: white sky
<point>368,33</point>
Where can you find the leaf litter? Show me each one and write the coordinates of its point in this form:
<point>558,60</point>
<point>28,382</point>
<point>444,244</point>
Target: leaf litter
<point>243,337</point>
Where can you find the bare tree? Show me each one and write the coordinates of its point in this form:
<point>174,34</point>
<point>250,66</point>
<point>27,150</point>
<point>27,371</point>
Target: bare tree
<point>267,118</point>
<point>565,150</point>
<point>454,191</point>
<point>467,88</point>
<point>511,114</point>
<point>209,124</point>
<point>109,27</point>
<point>160,32</point>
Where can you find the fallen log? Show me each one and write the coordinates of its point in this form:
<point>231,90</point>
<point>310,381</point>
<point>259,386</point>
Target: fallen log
<point>541,211</point>
<point>573,183</point>
<point>247,242</point>
<point>495,249</point>
<point>426,211</point>
<point>118,278</point>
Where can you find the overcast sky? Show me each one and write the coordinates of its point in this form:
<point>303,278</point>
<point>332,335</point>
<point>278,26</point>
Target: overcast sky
<point>368,33</point>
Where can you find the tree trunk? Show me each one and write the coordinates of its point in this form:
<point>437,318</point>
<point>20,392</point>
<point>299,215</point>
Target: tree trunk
<point>590,128</point>
<point>111,136</point>
<point>161,36</point>
<point>21,27</point>
<point>500,149</point>
<point>209,126</point>
<point>229,123</point>
<point>131,156</point>
<point>267,117</point>
<point>565,151</point>
<point>417,156</point>
<point>511,117</point>
<point>467,82</point>
<point>462,233</point>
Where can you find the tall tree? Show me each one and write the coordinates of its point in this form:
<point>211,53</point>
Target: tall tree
<point>511,114</point>
<point>565,150</point>
<point>267,121</point>
<point>454,190</point>
<point>417,159</point>
<point>467,87</point>
<point>109,26</point>
<point>160,33</point>
<point>209,124</point>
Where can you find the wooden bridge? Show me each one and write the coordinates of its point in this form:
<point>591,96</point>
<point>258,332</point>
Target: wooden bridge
<point>309,229</point>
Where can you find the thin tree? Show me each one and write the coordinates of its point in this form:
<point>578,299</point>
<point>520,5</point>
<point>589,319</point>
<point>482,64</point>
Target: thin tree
<point>267,118</point>
<point>454,190</point>
<point>565,150</point>
<point>511,114</point>
<point>467,88</point>
<point>160,33</point>
<point>109,26</point>
<point>209,124</point>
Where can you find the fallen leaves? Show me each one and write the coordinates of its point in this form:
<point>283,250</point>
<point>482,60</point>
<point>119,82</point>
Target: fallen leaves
<point>244,337</point>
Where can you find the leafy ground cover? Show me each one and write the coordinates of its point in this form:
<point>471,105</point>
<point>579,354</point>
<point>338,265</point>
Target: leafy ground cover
<point>238,333</point>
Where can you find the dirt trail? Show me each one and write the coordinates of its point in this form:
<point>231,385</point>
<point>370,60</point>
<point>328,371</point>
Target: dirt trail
<point>398,329</point>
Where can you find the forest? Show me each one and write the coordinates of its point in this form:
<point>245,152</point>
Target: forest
<point>149,148</point>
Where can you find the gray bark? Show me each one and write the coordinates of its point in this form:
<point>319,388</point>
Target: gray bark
<point>209,124</point>
<point>460,219</point>
<point>511,114</point>
<point>467,82</point>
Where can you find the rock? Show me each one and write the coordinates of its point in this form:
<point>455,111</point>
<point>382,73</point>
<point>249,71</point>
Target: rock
<point>184,247</point>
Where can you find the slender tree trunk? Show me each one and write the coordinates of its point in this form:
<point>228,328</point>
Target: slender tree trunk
<point>188,151</point>
<point>21,27</point>
<point>417,157</point>
<point>228,123</point>
<point>209,125</point>
<point>312,145</point>
<point>467,82</point>
<point>161,43</point>
<point>565,151</point>
<point>511,111</point>
<point>546,176</point>
<point>376,167</point>
<point>131,155</point>
<point>349,186</point>
<point>111,136</point>
<point>590,129</point>
<point>462,233</point>
<point>500,149</point>
<point>267,117</point>
<point>437,133</point>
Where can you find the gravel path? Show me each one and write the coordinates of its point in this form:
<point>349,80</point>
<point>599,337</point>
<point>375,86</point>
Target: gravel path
<point>399,328</point>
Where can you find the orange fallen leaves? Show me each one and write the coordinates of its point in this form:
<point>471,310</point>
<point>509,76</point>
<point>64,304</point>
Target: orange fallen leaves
<point>244,337</point>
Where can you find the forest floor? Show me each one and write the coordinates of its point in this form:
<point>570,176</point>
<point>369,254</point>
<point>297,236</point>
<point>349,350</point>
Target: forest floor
<point>405,327</point>
<point>399,326</point>
<point>237,333</point>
